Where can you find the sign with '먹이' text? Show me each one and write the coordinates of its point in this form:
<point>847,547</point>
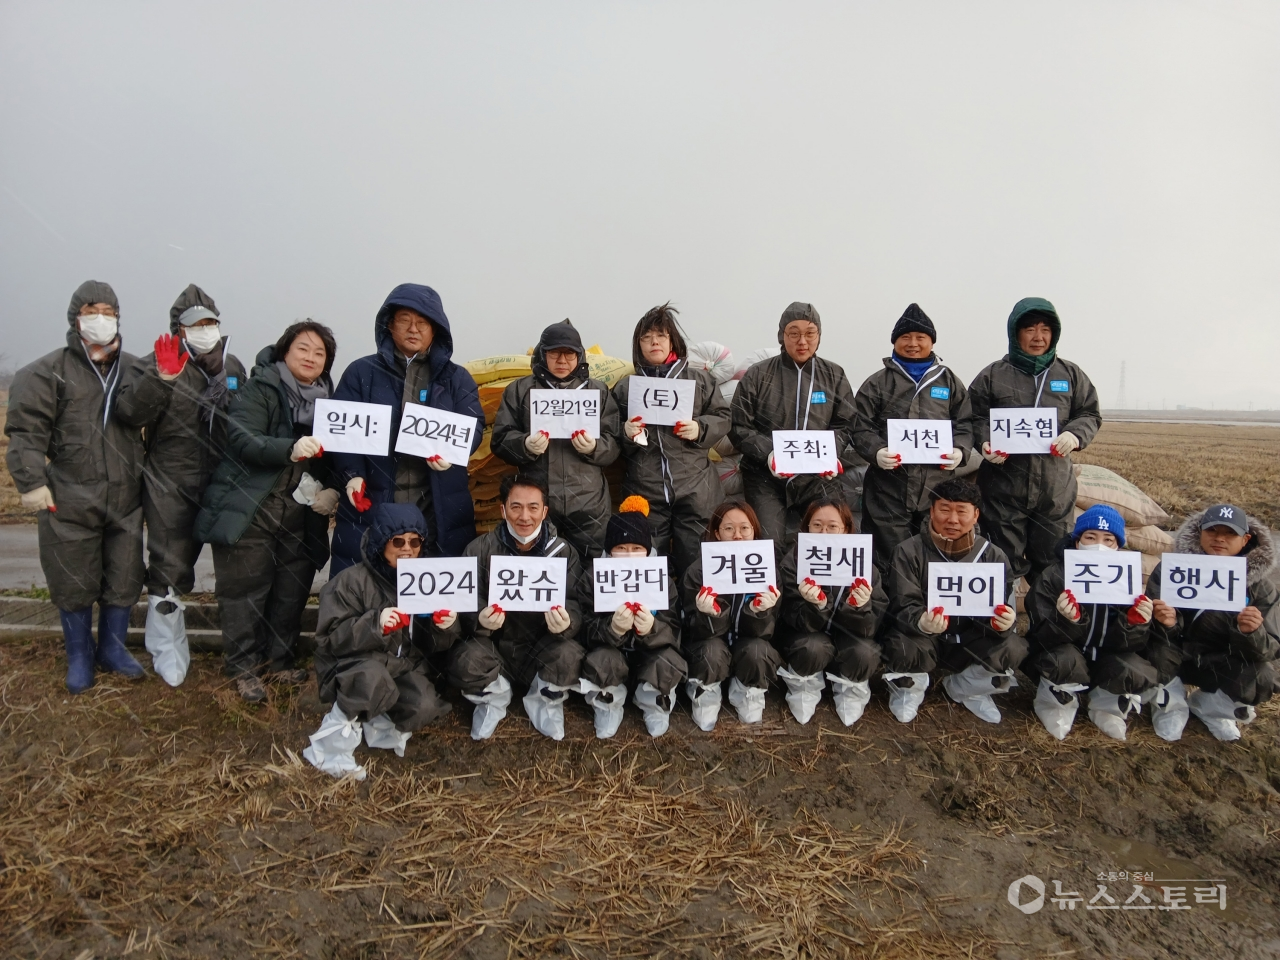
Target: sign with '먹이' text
<point>805,451</point>
<point>347,426</point>
<point>1023,429</point>
<point>833,560</point>
<point>1102,576</point>
<point>562,413</point>
<point>620,580</point>
<point>428,584</point>
<point>966,589</point>
<point>738,566</point>
<point>659,401</point>
<point>1195,581</point>
<point>428,432</point>
<point>920,441</point>
<point>528,583</point>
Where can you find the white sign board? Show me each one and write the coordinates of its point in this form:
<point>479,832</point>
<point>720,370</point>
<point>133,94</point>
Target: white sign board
<point>966,589</point>
<point>1102,576</point>
<point>1194,581</point>
<point>426,432</point>
<point>738,566</point>
<point>1023,429</point>
<point>659,401</point>
<point>620,580</point>
<point>428,584</point>
<point>833,560</point>
<point>562,413</point>
<point>804,451</point>
<point>527,583</point>
<point>346,426</point>
<point>920,441</point>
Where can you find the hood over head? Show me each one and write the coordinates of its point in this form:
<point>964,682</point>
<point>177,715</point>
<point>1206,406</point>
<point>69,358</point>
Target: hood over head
<point>1025,312</point>
<point>191,297</point>
<point>425,302</point>
<point>390,520</point>
<point>799,311</point>
<point>91,291</point>
<point>1259,552</point>
<point>560,336</point>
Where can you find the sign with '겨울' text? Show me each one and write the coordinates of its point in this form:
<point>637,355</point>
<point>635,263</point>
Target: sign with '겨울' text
<point>659,401</point>
<point>429,432</point>
<point>527,583</point>
<point>428,584</point>
<point>562,413</point>
<point>738,566</point>
<point>347,426</point>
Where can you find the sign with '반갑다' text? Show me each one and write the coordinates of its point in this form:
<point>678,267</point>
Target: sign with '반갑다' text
<point>619,580</point>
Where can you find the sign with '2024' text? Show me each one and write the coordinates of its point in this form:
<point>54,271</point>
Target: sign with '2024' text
<point>1102,576</point>
<point>738,566</point>
<point>428,432</point>
<point>533,584</point>
<point>833,560</point>
<point>428,584</point>
<point>966,589</point>
<point>620,580</point>
<point>562,413</point>
<point>660,401</point>
<point>1196,581</point>
<point>347,426</point>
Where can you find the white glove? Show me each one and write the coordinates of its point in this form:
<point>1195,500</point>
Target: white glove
<point>537,443</point>
<point>813,593</point>
<point>706,602</point>
<point>1141,610</point>
<point>992,456</point>
<point>1068,607</point>
<point>444,619</point>
<point>765,599</point>
<point>304,448</point>
<point>326,502</point>
<point>390,617</point>
<point>583,443</point>
<point>623,620</point>
<point>643,622</point>
<point>633,428</point>
<point>438,463</point>
<point>688,430</point>
<point>774,470</point>
<point>1003,617</point>
<point>886,460</point>
<point>933,623</point>
<point>952,460</point>
<point>493,617</point>
<point>557,619</point>
<point>38,499</point>
<point>1065,443</point>
<point>860,593</point>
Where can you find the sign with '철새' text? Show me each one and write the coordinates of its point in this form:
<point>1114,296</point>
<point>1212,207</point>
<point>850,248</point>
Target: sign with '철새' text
<point>833,560</point>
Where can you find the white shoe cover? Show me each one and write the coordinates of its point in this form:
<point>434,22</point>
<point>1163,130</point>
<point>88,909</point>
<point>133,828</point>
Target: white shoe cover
<point>1056,716</point>
<point>973,687</point>
<point>1169,711</point>
<point>851,698</point>
<point>656,717</point>
<point>166,639</point>
<point>491,707</point>
<point>380,733</point>
<point>546,713</point>
<point>748,701</point>
<point>333,746</point>
<point>706,698</point>
<point>904,702</point>
<point>803,693</point>
<point>608,714</point>
<point>1220,713</point>
<point>1110,711</point>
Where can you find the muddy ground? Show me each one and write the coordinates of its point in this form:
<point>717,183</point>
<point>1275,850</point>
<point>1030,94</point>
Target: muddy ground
<point>142,820</point>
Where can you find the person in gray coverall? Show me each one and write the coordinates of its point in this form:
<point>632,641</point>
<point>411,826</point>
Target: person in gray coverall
<point>370,655</point>
<point>80,468</point>
<point>180,394</point>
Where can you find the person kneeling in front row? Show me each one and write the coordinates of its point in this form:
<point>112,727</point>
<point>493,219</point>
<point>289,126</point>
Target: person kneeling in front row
<point>371,656</point>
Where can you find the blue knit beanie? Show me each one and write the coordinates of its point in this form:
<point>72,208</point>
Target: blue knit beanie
<point>1100,517</point>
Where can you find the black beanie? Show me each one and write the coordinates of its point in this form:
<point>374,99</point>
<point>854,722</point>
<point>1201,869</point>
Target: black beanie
<point>913,320</point>
<point>629,525</point>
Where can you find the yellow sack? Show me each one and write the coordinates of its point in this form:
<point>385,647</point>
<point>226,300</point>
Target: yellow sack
<point>506,366</point>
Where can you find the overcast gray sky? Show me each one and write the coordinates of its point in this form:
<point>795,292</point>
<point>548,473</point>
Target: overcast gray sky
<point>537,161</point>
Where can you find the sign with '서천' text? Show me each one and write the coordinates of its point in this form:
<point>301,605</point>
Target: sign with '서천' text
<point>920,441</point>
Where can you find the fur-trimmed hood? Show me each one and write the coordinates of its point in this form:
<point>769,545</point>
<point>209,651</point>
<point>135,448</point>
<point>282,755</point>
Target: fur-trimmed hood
<point>1260,552</point>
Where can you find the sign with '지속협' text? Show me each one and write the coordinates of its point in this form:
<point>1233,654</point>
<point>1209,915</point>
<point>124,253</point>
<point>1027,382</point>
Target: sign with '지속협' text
<point>346,426</point>
<point>531,584</point>
<point>738,566</point>
<point>562,413</point>
<point>1023,429</point>
<point>428,584</point>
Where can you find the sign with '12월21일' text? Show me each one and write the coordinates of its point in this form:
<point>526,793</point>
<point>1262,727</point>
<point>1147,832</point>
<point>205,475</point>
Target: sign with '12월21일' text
<point>428,432</point>
<point>1023,429</point>
<point>530,584</point>
<point>805,451</point>
<point>620,580</point>
<point>966,589</point>
<point>562,413</point>
<point>428,584</point>
<point>659,401</point>
<point>833,560</point>
<point>919,441</point>
<point>738,566</point>
<point>1195,581</point>
<point>1102,576</point>
<point>347,426</point>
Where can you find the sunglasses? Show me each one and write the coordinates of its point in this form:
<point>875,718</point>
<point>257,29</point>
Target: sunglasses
<point>412,542</point>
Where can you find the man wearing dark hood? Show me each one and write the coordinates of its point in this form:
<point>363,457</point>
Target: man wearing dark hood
<point>414,364</point>
<point>914,385</point>
<point>371,656</point>
<point>80,469</point>
<point>796,390</point>
<point>180,394</point>
<point>1029,497</point>
<point>572,470</point>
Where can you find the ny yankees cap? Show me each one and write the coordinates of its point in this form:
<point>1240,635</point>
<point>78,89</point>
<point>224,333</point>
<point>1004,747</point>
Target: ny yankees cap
<point>1226,515</point>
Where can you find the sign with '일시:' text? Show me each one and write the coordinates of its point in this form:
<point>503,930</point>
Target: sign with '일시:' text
<point>428,584</point>
<point>1195,581</point>
<point>562,413</point>
<point>530,584</point>
<point>738,566</point>
<point>428,432</point>
<point>966,589</point>
<point>347,426</point>
<point>659,401</point>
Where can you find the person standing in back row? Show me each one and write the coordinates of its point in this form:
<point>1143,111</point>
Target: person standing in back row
<point>914,385</point>
<point>796,390</point>
<point>1029,497</point>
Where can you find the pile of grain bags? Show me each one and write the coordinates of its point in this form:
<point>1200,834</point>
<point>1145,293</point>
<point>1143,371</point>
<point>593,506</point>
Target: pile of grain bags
<point>1142,515</point>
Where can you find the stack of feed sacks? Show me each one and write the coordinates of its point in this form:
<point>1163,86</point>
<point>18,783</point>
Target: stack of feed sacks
<point>1143,517</point>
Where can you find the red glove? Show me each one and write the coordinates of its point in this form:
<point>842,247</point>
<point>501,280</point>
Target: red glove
<point>170,357</point>
<point>937,612</point>
<point>440,616</point>
<point>1001,611</point>
<point>705,594</point>
<point>359,500</point>
<point>399,623</point>
<point>822,594</point>
<point>1133,616</point>
<point>831,476</point>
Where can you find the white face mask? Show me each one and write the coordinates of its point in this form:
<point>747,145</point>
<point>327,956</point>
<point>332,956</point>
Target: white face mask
<point>204,338</point>
<point>98,328</point>
<point>1095,546</point>
<point>525,540</point>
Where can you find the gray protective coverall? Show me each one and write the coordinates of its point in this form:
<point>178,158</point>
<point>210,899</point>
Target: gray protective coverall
<point>737,640</point>
<point>837,637</point>
<point>653,659</point>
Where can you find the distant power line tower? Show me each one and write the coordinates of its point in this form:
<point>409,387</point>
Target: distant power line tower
<point>1122,402</point>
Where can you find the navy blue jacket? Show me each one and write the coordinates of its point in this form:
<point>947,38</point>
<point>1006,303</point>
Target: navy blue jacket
<point>377,379</point>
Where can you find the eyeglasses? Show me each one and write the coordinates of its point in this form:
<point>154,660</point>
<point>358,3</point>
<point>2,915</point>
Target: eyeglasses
<point>412,542</point>
<point>795,336</point>
<point>411,323</point>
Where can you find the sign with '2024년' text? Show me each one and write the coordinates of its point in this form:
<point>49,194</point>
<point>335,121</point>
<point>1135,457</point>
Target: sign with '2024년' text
<point>429,432</point>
